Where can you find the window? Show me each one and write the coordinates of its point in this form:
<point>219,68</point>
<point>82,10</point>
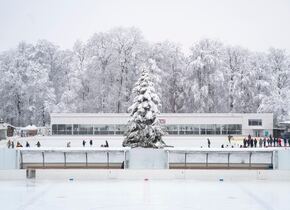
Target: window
<point>120,129</point>
<point>62,129</point>
<point>54,129</point>
<point>172,129</point>
<point>255,122</point>
<point>231,129</point>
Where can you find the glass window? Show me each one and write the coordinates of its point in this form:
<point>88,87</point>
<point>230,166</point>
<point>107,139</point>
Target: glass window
<point>192,129</point>
<point>68,129</point>
<point>61,129</point>
<point>218,129</point>
<point>255,122</point>
<point>106,129</point>
<point>203,129</point>
<point>54,129</point>
<point>120,129</point>
<point>76,129</point>
<point>85,129</point>
<point>172,129</point>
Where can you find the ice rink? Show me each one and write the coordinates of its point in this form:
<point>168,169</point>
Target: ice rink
<point>141,194</point>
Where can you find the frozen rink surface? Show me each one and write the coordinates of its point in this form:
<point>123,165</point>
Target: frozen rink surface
<point>141,194</point>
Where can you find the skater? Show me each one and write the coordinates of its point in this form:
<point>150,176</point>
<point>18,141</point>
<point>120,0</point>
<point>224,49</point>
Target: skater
<point>38,144</point>
<point>18,144</point>
<point>285,142</point>
<point>208,143</point>
<point>84,143</point>
<point>279,142</point>
<point>91,142</point>
<point>289,142</point>
<point>271,142</point>
<point>12,144</point>
<point>107,144</point>
<point>275,142</point>
<point>264,141</point>
<point>245,142</point>
<point>222,146</point>
<point>9,144</point>
<point>255,142</point>
<point>260,142</point>
<point>252,143</point>
<point>68,144</point>
<point>27,144</point>
<point>229,138</point>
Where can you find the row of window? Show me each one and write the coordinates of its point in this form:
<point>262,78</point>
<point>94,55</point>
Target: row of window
<point>255,122</point>
<point>193,129</point>
<point>205,129</point>
<point>86,129</point>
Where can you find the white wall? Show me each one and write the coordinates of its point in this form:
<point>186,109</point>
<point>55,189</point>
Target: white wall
<point>8,158</point>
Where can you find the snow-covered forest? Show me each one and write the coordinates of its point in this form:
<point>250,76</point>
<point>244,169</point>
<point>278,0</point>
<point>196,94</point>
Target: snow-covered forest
<point>98,75</point>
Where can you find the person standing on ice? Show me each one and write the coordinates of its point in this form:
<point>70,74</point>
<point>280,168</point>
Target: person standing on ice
<point>255,142</point>
<point>84,143</point>
<point>208,143</point>
<point>260,142</point>
<point>38,144</point>
<point>27,144</point>
<point>91,142</point>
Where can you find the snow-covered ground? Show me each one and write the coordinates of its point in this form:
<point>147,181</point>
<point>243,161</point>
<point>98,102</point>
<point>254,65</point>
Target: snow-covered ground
<point>139,194</point>
<point>116,141</point>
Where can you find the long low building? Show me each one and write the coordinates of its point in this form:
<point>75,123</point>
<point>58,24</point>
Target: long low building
<point>186,124</point>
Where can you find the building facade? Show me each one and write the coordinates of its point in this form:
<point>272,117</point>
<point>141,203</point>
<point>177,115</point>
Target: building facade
<point>181,124</point>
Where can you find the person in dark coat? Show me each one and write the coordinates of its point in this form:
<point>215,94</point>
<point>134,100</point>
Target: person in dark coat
<point>245,142</point>
<point>91,142</point>
<point>264,141</point>
<point>27,144</point>
<point>255,142</point>
<point>252,142</point>
<point>275,142</point>
<point>84,143</point>
<point>208,143</point>
<point>107,144</point>
<point>38,144</point>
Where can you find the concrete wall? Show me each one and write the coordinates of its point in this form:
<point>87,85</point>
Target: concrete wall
<point>214,175</point>
<point>283,160</point>
<point>140,158</point>
<point>8,158</point>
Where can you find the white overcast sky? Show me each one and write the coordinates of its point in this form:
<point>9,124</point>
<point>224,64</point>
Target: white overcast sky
<point>254,24</point>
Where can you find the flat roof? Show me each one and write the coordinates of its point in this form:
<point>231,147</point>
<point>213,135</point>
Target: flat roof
<point>161,114</point>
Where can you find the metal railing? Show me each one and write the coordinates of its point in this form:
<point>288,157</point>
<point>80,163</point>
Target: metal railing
<point>105,158</point>
<point>232,158</point>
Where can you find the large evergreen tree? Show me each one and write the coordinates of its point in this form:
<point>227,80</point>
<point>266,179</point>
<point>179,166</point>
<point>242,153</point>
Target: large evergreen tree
<point>144,129</point>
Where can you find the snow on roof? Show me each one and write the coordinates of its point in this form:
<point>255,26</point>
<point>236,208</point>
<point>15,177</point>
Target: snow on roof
<point>3,126</point>
<point>285,122</point>
<point>30,127</point>
<point>160,115</point>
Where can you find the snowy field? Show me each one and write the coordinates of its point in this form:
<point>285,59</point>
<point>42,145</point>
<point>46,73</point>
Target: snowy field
<point>136,194</point>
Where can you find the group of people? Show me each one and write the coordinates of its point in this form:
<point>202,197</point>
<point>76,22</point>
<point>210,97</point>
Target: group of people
<point>11,144</point>
<point>265,142</point>
<point>91,143</point>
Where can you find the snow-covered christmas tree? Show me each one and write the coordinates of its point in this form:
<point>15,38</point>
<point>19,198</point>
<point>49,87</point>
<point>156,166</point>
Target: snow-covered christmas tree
<point>144,129</point>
